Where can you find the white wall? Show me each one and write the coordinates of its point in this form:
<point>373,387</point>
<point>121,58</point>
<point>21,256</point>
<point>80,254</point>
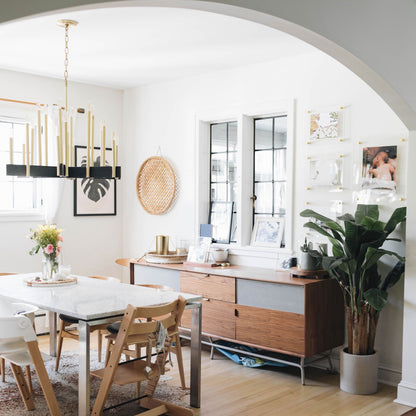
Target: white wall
<point>164,115</point>
<point>91,244</point>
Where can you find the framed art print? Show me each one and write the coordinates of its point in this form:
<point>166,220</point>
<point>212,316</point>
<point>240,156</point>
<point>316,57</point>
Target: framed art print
<point>324,125</point>
<point>94,196</point>
<point>267,232</point>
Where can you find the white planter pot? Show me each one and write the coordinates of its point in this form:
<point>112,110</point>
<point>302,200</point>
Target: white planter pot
<point>359,373</point>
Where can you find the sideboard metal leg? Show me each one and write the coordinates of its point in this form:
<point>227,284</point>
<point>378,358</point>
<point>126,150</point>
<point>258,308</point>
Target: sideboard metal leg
<point>302,371</point>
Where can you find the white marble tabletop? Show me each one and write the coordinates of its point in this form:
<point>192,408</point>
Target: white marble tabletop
<point>87,300</point>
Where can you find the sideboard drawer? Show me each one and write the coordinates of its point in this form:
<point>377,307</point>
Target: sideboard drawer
<point>218,318</point>
<point>274,329</point>
<point>208,286</point>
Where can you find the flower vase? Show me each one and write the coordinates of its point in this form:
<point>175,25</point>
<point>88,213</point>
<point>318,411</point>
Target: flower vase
<point>50,266</point>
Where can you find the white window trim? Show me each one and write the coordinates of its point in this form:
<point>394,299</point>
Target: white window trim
<point>15,114</point>
<point>244,118</point>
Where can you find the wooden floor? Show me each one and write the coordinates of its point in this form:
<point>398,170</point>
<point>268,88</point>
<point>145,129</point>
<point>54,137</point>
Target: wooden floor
<point>229,389</point>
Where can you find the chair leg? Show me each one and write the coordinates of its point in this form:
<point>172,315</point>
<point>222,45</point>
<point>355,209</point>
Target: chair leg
<point>43,377</point>
<point>178,351</point>
<point>138,388</point>
<point>22,385</point>
<point>59,348</point>
<point>100,344</point>
<point>3,369</point>
<point>29,379</point>
<point>107,352</point>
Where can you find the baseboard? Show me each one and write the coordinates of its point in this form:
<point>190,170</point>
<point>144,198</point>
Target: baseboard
<point>406,394</point>
<point>386,375</point>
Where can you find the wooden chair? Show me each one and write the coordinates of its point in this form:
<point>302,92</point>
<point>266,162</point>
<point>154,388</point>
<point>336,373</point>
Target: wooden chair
<point>176,342</point>
<point>19,346</point>
<point>68,321</point>
<point>146,331</point>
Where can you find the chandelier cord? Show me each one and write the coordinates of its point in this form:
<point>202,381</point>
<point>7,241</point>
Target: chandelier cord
<point>66,62</point>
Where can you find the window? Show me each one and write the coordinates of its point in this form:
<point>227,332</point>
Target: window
<point>269,169</point>
<point>246,159</point>
<point>223,162</point>
<point>17,195</point>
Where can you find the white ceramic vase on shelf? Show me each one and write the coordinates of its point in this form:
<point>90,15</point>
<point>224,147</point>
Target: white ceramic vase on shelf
<point>359,373</point>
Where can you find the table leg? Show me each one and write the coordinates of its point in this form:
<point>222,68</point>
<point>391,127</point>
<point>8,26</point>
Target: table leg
<point>52,334</point>
<point>84,369</point>
<point>195,400</point>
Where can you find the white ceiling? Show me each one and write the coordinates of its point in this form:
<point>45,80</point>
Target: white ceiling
<point>126,47</point>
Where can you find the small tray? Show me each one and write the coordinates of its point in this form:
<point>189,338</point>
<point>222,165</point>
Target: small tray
<point>170,258</point>
<point>308,274</point>
<point>72,280</point>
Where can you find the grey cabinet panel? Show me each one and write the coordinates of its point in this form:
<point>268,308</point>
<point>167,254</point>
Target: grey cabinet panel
<point>279,297</point>
<point>157,276</point>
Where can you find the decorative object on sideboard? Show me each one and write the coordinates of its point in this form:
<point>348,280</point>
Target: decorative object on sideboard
<point>356,254</point>
<point>65,167</point>
<point>162,244</point>
<point>156,185</point>
<point>220,218</point>
<point>267,232</point>
<point>172,257</point>
<point>307,261</point>
<point>220,255</point>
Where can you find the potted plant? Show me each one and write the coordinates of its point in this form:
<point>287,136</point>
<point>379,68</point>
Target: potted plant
<point>356,253</point>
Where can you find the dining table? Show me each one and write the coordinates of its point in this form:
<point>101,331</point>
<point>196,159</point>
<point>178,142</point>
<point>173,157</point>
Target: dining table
<point>93,302</point>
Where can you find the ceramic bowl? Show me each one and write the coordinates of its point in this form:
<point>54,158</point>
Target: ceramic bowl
<point>220,255</point>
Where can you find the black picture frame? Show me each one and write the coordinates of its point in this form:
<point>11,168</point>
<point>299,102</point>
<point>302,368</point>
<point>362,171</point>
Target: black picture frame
<point>94,197</point>
<point>220,217</point>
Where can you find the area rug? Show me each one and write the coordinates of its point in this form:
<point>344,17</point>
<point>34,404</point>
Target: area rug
<point>65,385</point>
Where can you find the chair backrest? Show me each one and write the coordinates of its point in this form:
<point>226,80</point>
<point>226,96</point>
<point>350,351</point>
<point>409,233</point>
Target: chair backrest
<point>15,327</point>
<point>6,274</point>
<point>169,315</point>
<point>124,262</point>
<point>112,279</point>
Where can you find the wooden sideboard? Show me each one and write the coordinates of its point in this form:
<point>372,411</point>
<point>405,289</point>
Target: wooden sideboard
<point>257,307</point>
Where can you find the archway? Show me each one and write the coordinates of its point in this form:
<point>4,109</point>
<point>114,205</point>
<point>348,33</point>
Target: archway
<point>395,88</point>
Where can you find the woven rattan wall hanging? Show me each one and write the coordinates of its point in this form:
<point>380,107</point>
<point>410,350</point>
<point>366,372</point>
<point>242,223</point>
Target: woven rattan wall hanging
<point>156,185</point>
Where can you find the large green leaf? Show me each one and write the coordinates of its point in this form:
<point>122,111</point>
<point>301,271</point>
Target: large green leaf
<point>373,255</point>
<point>352,238</point>
<point>333,225</point>
<point>317,228</point>
<point>337,248</point>
<point>393,276</point>
<point>366,211</point>
<point>376,298</point>
<point>398,216</point>
<point>371,224</point>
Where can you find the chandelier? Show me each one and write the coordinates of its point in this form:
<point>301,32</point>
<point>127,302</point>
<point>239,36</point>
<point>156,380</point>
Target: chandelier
<point>98,168</point>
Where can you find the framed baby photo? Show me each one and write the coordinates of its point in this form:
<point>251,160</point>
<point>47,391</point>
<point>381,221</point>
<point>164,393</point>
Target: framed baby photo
<point>379,168</point>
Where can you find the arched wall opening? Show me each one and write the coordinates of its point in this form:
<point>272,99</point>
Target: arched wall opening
<point>370,76</point>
